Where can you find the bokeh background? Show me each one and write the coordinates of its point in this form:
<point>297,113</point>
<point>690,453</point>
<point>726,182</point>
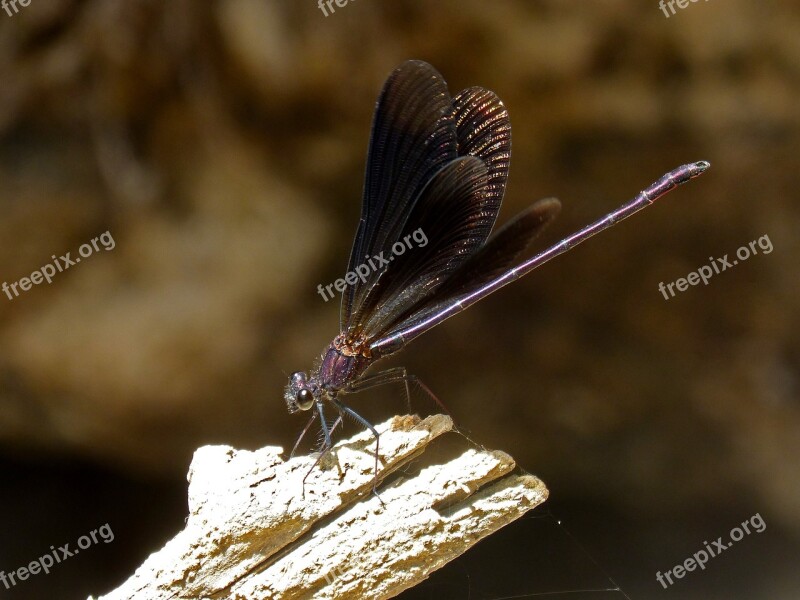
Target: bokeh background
<point>222,145</point>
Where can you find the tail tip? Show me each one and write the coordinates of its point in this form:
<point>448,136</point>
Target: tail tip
<point>700,167</point>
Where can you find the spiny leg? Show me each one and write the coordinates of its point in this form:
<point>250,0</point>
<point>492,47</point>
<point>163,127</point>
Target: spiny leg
<point>391,376</point>
<point>325,431</point>
<point>326,444</point>
<point>346,409</point>
<point>303,433</point>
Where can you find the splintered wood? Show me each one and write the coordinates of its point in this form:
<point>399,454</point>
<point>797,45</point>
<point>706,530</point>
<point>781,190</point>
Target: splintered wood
<point>253,533</point>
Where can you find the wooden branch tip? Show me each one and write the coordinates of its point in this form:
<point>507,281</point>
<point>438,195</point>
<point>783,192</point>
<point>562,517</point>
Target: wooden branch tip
<point>254,530</point>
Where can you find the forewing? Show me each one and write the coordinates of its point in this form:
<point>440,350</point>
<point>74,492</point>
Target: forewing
<point>451,219</point>
<point>484,130</point>
<point>413,136</point>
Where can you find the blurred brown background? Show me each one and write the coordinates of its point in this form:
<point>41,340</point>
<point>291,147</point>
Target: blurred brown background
<point>222,145</point>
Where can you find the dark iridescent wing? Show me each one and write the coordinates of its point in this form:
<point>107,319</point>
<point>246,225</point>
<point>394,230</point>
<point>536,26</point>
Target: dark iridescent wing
<point>452,215</point>
<point>495,257</point>
<point>413,136</point>
<point>458,223</point>
<point>483,130</point>
<point>502,250</point>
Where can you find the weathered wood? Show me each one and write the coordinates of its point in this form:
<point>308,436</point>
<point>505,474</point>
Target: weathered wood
<point>254,533</point>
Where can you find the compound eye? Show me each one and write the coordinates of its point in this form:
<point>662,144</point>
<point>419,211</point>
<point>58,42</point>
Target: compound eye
<point>305,399</point>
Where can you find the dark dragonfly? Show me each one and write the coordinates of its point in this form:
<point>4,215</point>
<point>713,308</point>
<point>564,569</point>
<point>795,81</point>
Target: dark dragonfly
<point>439,164</point>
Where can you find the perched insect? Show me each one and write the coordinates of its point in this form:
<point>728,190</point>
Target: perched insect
<point>439,165</point>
